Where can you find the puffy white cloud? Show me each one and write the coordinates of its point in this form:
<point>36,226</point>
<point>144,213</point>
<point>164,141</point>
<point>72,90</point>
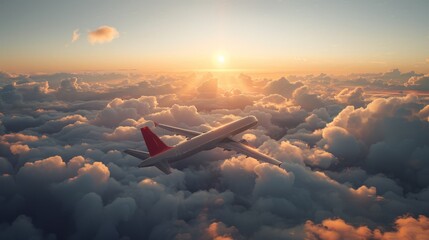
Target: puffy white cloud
<point>272,181</point>
<point>335,229</point>
<point>178,115</point>
<point>340,142</point>
<point>55,125</point>
<point>208,89</point>
<point>387,134</point>
<point>307,100</point>
<point>19,148</point>
<point>18,137</point>
<point>22,228</point>
<point>119,110</point>
<point>272,101</point>
<point>103,34</point>
<point>418,83</point>
<point>219,231</point>
<point>97,171</point>
<point>281,86</point>
<point>406,228</point>
<point>424,113</point>
<point>351,97</point>
<point>122,133</point>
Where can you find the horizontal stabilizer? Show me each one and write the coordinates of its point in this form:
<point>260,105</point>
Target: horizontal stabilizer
<point>161,165</point>
<point>137,153</point>
<point>153,143</point>
<point>164,167</point>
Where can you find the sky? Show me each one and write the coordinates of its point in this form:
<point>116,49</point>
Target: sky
<point>296,37</point>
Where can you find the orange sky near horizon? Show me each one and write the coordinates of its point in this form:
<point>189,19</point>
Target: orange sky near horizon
<point>294,37</point>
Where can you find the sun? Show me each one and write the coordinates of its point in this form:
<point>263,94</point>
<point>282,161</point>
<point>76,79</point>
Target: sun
<point>221,59</point>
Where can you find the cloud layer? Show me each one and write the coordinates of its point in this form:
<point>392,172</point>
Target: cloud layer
<point>355,151</point>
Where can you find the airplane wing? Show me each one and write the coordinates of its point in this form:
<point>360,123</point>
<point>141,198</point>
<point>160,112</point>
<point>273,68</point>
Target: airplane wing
<point>248,151</point>
<point>181,131</point>
<point>137,153</point>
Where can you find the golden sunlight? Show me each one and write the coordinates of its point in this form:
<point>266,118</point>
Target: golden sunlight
<point>221,59</point>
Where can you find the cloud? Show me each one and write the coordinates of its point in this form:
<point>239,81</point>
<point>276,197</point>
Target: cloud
<point>98,171</point>
<point>208,89</point>
<point>351,97</point>
<point>281,86</point>
<point>22,228</point>
<point>333,229</point>
<point>387,134</point>
<point>406,228</point>
<point>307,100</point>
<point>75,36</point>
<point>119,110</point>
<point>418,83</point>
<point>340,142</point>
<point>19,148</point>
<point>354,162</point>
<point>103,34</point>
<point>219,231</point>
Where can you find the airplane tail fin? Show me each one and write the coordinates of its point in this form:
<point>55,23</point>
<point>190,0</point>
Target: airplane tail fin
<point>153,143</point>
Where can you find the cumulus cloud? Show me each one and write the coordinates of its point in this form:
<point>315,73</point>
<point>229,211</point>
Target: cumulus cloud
<point>406,228</point>
<point>387,134</point>
<point>282,86</point>
<point>354,158</point>
<point>119,110</point>
<point>208,89</point>
<point>309,101</point>
<point>19,148</point>
<point>219,231</point>
<point>22,228</point>
<point>418,83</point>
<point>103,34</point>
<point>332,229</point>
<point>351,97</point>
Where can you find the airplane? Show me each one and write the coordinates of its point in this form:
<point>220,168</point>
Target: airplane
<point>160,155</point>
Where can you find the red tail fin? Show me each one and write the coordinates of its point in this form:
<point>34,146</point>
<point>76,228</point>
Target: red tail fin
<point>153,143</point>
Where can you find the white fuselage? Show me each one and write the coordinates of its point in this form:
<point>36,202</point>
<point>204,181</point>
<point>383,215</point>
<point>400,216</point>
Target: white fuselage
<point>205,141</point>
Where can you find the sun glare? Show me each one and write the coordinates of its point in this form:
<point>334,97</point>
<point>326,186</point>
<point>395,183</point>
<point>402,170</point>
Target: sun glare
<point>221,59</point>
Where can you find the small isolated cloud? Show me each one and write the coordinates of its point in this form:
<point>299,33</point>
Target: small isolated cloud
<point>103,34</point>
<point>75,35</point>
